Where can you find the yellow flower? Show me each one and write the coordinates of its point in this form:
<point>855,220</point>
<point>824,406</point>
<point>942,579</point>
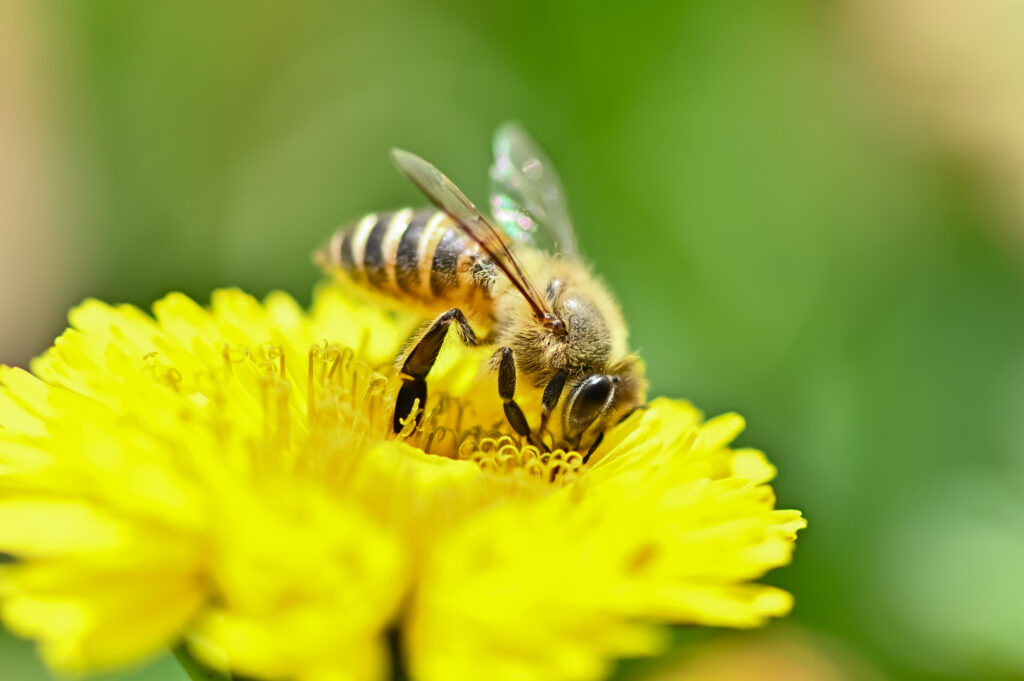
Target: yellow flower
<point>226,477</point>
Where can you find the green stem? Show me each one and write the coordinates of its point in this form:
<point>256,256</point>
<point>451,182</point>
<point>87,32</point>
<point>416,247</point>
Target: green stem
<point>195,670</point>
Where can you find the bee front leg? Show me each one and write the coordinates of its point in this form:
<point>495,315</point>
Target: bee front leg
<point>552,393</point>
<point>421,360</point>
<point>507,391</point>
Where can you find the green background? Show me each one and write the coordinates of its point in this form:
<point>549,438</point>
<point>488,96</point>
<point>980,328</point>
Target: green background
<point>779,248</point>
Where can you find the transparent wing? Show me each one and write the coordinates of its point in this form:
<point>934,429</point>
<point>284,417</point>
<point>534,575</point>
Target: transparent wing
<point>527,198</point>
<point>443,193</point>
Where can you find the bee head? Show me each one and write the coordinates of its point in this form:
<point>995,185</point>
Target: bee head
<point>587,402</point>
<point>599,400</point>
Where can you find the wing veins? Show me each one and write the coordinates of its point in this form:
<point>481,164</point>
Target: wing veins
<point>445,195</point>
<point>526,187</point>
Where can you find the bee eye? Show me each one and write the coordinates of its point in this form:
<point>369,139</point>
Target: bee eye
<point>587,402</point>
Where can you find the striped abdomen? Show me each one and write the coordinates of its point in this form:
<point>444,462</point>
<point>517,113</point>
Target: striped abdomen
<point>418,255</point>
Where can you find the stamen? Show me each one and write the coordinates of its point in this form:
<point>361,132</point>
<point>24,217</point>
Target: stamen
<point>348,402</point>
<point>439,433</point>
<point>505,455</point>
<point>409,422</point>
<point>159,371</point>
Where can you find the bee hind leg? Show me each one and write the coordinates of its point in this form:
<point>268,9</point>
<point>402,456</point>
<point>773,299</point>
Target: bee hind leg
<point>420,361</point>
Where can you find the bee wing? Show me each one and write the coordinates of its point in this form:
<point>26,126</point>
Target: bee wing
<point>527,198</point>
<point>443,193</point>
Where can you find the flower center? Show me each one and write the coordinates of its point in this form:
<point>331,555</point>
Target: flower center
<point>322,418</point>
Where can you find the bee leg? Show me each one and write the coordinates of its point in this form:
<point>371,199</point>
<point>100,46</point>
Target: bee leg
<point>552,393</point>
<point>507,390</point>
<point>421,360</point>
<point>593,447</point>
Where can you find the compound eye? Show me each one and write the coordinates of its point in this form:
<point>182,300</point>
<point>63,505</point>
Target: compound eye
<point>587,402</point>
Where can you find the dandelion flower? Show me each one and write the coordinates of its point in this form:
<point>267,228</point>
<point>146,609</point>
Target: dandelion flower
<point>226,478</point>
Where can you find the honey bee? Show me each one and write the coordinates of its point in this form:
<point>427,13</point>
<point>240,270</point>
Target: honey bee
<point>570,340</point>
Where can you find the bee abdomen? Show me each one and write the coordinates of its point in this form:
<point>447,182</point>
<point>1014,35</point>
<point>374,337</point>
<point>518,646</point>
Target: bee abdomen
<point>420,255</point>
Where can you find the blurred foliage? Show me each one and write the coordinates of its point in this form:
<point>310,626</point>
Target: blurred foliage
<point>779,250</point>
